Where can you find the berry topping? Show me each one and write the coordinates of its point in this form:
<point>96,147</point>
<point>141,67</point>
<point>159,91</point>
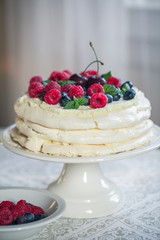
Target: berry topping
<point>116,97</point>
<point>89,73</point>
<point>128,95</point>
<point>64,100</point>
<point>36,210</point>
<point>92,80</point>
<point>30,217</point>
<point>95,88</point>
<point>110,98</point>
<point>6,217</point>
<point>52,85</point>
<point>21,220</point>
<point>78,79</point>
<point>114,81</point>
<point>67,88</point>
<point>76,91</point>
<point>7,204</point>
<point>35,89</point>
<point>68,72</point>
<point>36,79</point>
<point>126,86</point>
<point>98,100</point>
<point>40,216</point>
<point>52,97</point>
<point>57,76</point>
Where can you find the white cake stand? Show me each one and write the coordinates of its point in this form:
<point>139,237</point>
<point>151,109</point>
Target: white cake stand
<point>87,193</point>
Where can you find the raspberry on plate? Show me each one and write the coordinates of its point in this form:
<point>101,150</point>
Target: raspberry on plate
<point>36,210</point>
<point>52,85</point>
<point>57,76</point>
<point>36,79</point>
<point>95,88</point>
<point>7,204</point>
<point>114,81</point>
<point>98,100</point>
<point>76,91</point>
<point>67,88</point>
<point>52,97</point>
<point>35,89</point>
<point>6,217</point>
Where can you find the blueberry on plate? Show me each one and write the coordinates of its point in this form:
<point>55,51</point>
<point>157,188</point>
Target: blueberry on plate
<point>21,220</point>
<point>30,217</point>
<point>130,94</point>
<point>39,217</point>
<point>116,97</point>
<point>110,98</point>
<point>64,100</point>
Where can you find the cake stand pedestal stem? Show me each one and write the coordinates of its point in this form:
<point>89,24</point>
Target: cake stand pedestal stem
<point>88,194</point>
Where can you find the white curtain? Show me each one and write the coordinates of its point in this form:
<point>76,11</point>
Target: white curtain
<point>40,36</point>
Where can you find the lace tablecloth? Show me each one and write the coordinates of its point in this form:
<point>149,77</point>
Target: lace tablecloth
<point>138,179</point>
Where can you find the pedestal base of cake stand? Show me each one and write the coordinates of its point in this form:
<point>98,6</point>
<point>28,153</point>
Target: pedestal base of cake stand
<point>87,193</point>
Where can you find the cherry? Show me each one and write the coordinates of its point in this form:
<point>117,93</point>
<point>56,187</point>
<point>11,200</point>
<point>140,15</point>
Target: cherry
<point>78,79</point>
<point>95,79</point>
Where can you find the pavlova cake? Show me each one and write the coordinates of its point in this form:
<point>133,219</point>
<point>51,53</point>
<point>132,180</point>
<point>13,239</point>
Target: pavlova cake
<point>84,114</point>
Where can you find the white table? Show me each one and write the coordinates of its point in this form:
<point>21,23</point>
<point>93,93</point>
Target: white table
<point>138,179</point>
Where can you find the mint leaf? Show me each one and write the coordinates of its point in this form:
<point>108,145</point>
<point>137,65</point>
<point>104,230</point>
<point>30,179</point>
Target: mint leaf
<point>106,76</point>
<point>82,100</point>
<point>111,89</point>
<point>70,105</point>
<point>45,82</point>
<point>64,83</point>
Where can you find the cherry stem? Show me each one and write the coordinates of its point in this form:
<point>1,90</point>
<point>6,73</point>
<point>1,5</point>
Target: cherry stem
<point>90,65</point>
<point>91,45</point>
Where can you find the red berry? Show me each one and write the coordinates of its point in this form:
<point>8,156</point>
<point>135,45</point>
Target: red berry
<point>59,76</point>
<point>7,204</point>
<point>36,210</point>
<point>76,91</point>
<point>114,81</point>
<point>90,73</point>
<point>35,89</point>
<point>95,88</point>
<point>17,212</point>
<point>6,217</point>
<point>67,88</point>
<point>36,79</point>
<point>68,72</point>
<point>98,100</point>
<point>53,96</point>
<point>52,85</point>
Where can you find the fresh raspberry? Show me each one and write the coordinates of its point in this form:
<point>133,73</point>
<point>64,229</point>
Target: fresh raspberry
<point>67,88</point>
<point>24,205</point>
<point>76,91</point>
<point>6,217</point>
<point>36,210</point>
<point>17,212</point>
<point>98,100</point>
<point>52,97</point>
<point>59,76</point>
<point>89,73</point>
<point>95,88</point>
<point>68,72</point>
<point>114,81</point>
<point>36,79</point>
<point>52,85</point>
<point>7,204</point>
<point>35,89</point>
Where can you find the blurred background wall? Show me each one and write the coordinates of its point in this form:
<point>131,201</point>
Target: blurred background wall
<point>40,36</point>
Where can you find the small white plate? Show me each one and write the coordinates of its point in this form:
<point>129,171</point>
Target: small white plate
<point>52,204</point>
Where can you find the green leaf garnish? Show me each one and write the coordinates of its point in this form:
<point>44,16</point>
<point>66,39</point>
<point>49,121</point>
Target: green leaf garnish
<point>45,82</point>
<point>111,89</point>
<point>76,103</point>
<point>106,76</point>
<point>64,83</point>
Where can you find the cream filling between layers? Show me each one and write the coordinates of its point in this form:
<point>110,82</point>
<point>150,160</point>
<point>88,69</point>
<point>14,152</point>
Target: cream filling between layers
<point>63,149</point>
<point>91,136</point>
<point>119,114</point>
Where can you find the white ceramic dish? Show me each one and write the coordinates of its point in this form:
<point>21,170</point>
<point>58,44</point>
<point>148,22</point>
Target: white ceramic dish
<point>52,204</point>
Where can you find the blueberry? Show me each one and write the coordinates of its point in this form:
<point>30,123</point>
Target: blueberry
<point>42,96</point>
<point>64,100</point>
<point>116,97</point>
<point>85,91</point>
<point>64,94</point>
<point>21,220</point>
<point>110,98</point>
<point>39,217</point>
<point>126,86</point>
<point>129,94</point>
<point>88,97</point>
<point>30,217</point>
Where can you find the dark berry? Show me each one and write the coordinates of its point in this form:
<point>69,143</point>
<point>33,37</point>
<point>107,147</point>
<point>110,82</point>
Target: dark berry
<point>64,94</point>
<point>126,86</point>
<point>78,79</point>
<point>110,98</point>
<point>88,97</point>
<point>129,94</point>
<point>64,100</point>
<point>85,91</point>
<point>21,220</point>
<point>30,217</point>
<point>95,79</point>
<point>39,216</point>
<point>116,97</point>
<point>42,96</point>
